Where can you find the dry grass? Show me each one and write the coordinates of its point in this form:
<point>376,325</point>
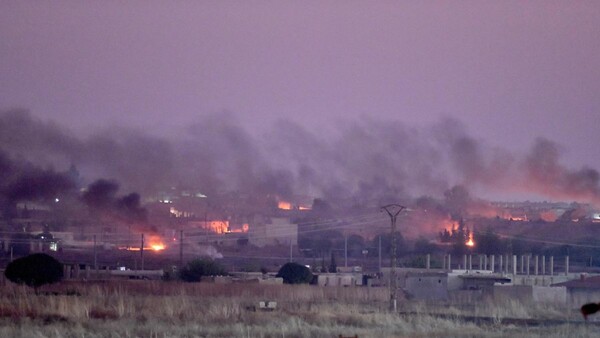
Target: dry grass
<point>161,309</point>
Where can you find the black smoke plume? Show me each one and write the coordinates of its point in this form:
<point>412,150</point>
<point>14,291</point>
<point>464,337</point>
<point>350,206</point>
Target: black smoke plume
<point>360,162</point>
<point>23,181</point>
<point>101,197</point>
<point>545,173</point>
<point>101,194</point>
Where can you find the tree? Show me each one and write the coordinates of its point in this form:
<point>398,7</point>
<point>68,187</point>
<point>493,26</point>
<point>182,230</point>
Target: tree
<point>386,243</point>
<point>198,268</point>
<point>489,243</point>
<point>294,273</point>
<point>424,246</point>
<point>355,245</point>
<point>458,237</point>
<point>332,263</point>
<point>35,270</point>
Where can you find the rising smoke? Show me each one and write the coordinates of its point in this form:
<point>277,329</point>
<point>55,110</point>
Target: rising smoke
<point>23,181</point>
<point>544,173</point>
<point>364,162</point>
<point>125,155</point>
<point>101,198</point>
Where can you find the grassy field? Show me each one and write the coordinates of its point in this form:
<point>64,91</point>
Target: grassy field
<point>170,309</point>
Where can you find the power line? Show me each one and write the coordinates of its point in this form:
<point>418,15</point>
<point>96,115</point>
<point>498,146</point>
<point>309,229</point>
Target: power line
<point>534,240</point>
<point>268,236</point>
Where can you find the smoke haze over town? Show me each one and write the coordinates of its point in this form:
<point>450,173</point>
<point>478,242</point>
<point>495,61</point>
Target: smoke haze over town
<point>323,98</point>
<point>364,161</point>
<point>354,105</point>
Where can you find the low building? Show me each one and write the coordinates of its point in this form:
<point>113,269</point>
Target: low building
<point>484,282</point>
<point>273,231</point>
<point>340,279</point>
<point>426,285</point>
<point>580,291</point>
<point>531,293</point>
<point>255,278</point>
<point>440,285</point>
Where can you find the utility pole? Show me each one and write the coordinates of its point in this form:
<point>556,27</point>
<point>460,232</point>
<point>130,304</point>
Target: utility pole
<point>379,252</point>
<point>142,252</point>
<point>393,210</point>
<point>95,256</point>
<point>180,249</point>
<point>346,251</point>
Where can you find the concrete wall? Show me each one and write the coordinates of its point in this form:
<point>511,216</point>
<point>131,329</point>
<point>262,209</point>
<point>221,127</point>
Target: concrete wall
<point>271,281</point>
<point>546,294</point>
<point>465,296</point>
<point>337,279</point>
<point>520,292</point>
<point>427,287</point>
<point>530,293</point>
<point>577,297</point>
<point>539,280</point>
<point>216,279</point>
<point>455,282</point>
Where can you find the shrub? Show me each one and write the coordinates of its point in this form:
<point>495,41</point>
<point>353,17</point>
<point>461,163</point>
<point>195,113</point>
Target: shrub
<point>197,268</point>
<point>35,270</point>
<point>294,273</point>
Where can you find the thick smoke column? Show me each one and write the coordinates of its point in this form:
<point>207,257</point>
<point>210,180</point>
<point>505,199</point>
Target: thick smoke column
<point>143,161</point>
<point>101,197</point>
<point>546,174</point>
<point>35,184</point>
<point>361,162</point>
<point>539,171</point>
<point>101,194</point>
<point>24,181</point>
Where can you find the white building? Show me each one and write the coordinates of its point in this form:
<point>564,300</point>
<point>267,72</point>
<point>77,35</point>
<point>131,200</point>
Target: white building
<point>274,231</point>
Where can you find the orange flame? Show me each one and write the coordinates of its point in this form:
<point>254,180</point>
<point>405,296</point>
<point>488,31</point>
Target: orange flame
<point>155,243</point>
<point>283,205</point>
<point>219,227</point>
<point>157,246</point>
<point>223,227</point>
<point>244,229</point>
<point>470,242</point>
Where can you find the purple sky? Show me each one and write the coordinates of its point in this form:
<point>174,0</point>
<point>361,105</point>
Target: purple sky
<point>509,70</point>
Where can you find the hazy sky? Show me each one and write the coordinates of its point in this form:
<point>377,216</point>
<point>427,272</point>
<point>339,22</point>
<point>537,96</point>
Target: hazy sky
<point>510,70</point>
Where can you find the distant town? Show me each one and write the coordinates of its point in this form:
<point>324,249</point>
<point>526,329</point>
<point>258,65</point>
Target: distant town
<point>443,246</point>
